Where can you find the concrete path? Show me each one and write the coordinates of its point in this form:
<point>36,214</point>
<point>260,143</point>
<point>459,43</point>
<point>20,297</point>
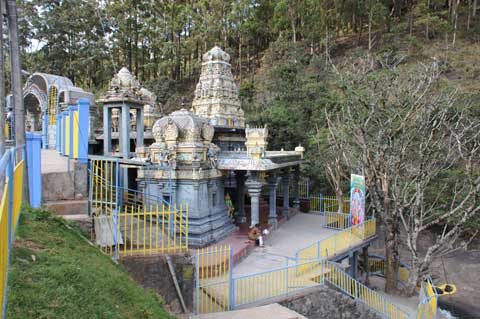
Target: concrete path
<point>300,231</point>
<point>273,311</point>
<point>53,162</point>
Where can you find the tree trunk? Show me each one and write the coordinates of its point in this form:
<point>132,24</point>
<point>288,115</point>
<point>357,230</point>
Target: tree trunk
<point>474,9</point>
<point>391,240</point>
<point>427,36</point>
<point>240,58</point>
<point>397,8</point>
<point>339,194</point>
<point>391,255</point>
<point>455,19</point>
<point>370,18</point>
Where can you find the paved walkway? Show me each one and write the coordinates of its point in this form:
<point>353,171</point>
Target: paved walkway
<point>53,162</point>
<point>300,231</point>
<point>273,311</point>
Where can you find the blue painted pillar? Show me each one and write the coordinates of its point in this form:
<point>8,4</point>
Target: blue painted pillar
<point>58,132</point>
<point>44,130</point>
<point>83,120</point>
<point>34,159</point>
<point>107,130</point>
<point>63,133</point>
<point>140,126</point>
<point>71,111</point>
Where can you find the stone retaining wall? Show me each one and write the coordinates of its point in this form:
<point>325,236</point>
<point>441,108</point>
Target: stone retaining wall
<point>324,302</point>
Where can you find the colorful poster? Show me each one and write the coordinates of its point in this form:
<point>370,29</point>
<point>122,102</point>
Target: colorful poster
<point>357,199</point>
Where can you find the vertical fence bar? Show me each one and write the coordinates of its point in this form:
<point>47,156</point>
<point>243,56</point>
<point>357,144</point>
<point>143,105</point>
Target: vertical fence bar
<point>232,282</point>
<point>197,278</point>
<point>186,228</point>
<point>117,239</point>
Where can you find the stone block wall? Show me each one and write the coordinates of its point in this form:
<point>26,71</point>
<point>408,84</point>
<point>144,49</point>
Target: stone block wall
<point>324,302</point>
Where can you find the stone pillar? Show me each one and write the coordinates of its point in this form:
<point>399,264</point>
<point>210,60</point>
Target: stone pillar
<point>296,190</point>
<point>254,187</point>
<point>286,192</point>
<point>173,198</point>
<point>124,132</point>
<point>272,188</point>
<point>240,179</point>
<point>366,265</point>
<point>107,130</point>
<point>140,126</point>
<point>353,261</point>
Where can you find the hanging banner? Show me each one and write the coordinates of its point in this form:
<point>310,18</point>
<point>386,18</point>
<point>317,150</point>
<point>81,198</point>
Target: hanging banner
<point>357,199</point>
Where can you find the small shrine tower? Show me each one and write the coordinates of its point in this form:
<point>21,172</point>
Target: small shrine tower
<point>123,100</point>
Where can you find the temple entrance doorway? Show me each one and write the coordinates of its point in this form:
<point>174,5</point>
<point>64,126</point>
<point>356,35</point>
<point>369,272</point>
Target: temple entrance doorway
<point>33,113</point>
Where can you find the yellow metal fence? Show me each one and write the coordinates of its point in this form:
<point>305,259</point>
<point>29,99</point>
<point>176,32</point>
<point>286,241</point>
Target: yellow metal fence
<point>214,278</point>
<point>376,266</point>
<point>338,242</point>
<point>427,307</point>
<point>253,288</point>
<point>338,278</point>
<point>328,203</point>
<point>126,223</point>
<point>142,232</point>
<point>218,290</point>
<point>336,220</point>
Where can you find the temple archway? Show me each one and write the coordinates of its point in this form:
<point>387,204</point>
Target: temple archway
<point>33,111</point>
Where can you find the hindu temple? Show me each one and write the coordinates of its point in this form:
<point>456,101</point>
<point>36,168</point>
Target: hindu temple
<point>198,157</point>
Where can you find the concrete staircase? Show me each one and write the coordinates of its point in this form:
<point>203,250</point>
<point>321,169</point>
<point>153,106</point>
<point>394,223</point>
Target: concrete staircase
<point>64,186</point>
<point>69,209</point>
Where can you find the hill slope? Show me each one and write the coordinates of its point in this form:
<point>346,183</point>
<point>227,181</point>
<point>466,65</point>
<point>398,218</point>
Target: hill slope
<point>54,273</point>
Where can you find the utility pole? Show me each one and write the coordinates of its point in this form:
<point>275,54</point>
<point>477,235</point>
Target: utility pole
<point>18,107</point>
<point>2,86</point>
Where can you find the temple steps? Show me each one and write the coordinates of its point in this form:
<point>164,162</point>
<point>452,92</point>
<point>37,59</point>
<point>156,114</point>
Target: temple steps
<point>68,207</point>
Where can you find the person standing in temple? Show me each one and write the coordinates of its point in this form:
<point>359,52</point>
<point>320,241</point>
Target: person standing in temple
<point>256,235</point>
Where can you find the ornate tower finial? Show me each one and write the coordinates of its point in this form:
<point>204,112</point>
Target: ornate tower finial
<point>216,94</point>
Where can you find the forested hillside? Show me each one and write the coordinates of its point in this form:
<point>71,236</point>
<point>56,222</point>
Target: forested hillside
<point>162,41</point>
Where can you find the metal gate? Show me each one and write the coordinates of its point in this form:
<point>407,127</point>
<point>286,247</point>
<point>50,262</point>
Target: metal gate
<point>127,222</point>
<point>214,278</point>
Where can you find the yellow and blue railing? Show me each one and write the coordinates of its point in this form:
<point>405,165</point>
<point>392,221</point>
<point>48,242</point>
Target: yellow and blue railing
<point>427,306</point>
<point>12,165</point>
<point>376,267</point>
<point>219,290</point>
<point>338,242</point>
<point>11,170</point>
<point>337,221</point>
<point>328,203</point>
<point>128,222</point>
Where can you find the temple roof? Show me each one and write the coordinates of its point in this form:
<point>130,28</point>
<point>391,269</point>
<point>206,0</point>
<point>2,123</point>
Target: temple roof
<point>241,161</point>
<point>184,126</point>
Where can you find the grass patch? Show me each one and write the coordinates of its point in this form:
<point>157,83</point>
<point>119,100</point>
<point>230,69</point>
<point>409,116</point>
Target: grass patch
<point>54,273</point>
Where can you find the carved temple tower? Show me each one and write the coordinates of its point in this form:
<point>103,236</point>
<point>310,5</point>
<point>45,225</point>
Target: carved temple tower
<point>217,99</point>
